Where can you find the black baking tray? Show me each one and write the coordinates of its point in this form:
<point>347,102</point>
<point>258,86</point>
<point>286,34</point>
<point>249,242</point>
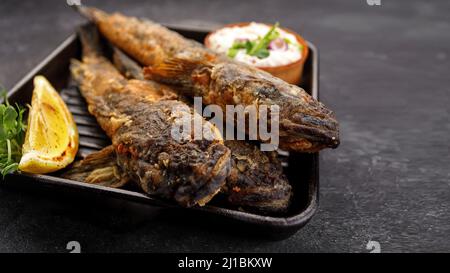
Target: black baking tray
<point>302,169</point>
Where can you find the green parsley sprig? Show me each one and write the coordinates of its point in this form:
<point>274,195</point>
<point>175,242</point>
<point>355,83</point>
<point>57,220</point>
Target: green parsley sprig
<point>258,48</point>
<point>12,135</point>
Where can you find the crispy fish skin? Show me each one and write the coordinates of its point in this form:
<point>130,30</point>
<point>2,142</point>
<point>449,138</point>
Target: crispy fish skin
<point>256,181</point>
<point>144,40</point>
<point>138,117</point>
<point>306,125</point>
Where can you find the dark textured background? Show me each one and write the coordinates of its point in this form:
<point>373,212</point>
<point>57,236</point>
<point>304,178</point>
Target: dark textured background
<point>385,72</point>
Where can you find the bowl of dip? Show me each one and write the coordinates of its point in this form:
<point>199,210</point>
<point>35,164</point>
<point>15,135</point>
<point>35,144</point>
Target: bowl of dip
<point>279,51</point>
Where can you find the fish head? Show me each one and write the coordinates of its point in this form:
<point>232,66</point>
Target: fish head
<point>305,124</point>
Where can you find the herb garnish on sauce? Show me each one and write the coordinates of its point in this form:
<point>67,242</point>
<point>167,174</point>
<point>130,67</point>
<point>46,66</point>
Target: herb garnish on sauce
<point>257,48</point>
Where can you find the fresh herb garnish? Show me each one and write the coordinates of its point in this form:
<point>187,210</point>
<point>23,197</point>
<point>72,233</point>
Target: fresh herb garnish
<point>289,42</point>
<point>258,48</point>
<point>12,135</point>
<point>234,49</point>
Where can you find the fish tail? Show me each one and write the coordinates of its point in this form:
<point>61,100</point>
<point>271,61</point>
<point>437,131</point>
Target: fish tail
<point>126,65</point>
<point>90,40</point>
<point>90,13</point>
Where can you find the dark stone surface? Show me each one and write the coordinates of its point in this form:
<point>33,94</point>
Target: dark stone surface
<point>385,72</point>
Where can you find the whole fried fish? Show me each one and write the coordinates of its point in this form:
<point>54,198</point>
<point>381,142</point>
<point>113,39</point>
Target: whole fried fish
<point>305,125</point>
<point>256,181</point>
<point>144,40</point>
<point>138,117</point>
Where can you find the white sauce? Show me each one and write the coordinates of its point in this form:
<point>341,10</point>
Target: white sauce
<point>223,39</point>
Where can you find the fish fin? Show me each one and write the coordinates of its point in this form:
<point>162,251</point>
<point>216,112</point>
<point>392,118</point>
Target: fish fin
<point>98,168</point>
<point>90,40</point>
<point>77,71</point>
<point>171,67</point>
<point>175,71</point>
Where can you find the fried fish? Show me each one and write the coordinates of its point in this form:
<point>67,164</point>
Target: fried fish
<point>138,117</point>
<point>256,181</point>
<point>305,124</point>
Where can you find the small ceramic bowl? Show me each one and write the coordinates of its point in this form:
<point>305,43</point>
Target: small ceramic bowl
<point>291,72</point>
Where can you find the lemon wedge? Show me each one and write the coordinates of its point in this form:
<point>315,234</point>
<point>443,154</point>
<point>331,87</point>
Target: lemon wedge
<point>51,140</point>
